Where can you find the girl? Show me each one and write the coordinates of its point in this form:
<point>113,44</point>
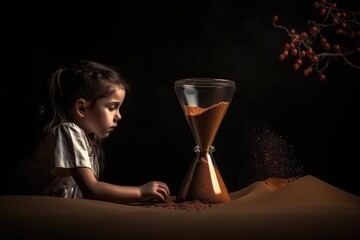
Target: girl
<point>81,108</point>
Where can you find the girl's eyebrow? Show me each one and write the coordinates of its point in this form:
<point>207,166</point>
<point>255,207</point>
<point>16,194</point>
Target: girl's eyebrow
<point>117,103</point>
<point>113,102</point>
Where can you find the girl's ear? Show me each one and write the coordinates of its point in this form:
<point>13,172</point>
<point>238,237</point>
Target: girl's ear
<point>80,107</point>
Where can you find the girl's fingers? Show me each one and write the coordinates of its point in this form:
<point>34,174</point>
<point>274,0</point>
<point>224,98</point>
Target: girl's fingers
<point>165,187</point>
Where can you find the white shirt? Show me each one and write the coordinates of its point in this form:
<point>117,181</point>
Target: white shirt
<point>47,172</point>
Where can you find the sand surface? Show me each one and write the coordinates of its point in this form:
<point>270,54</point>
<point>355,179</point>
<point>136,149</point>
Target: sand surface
<point>305,208</point>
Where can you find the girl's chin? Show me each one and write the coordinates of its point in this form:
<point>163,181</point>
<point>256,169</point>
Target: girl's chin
<point>103,135</point>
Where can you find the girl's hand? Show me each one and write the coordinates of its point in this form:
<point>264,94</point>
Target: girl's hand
<point>154,189</point>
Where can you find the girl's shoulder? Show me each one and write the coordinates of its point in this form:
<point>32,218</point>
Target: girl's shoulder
<point>68,128</point>
<point>68,125</point>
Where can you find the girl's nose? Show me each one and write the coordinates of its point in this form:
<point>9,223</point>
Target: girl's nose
<point>117,117</point>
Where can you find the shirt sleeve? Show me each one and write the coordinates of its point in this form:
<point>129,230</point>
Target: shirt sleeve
<point>71,150</point>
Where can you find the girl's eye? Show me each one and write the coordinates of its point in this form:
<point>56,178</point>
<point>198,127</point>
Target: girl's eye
<point>113,107</point>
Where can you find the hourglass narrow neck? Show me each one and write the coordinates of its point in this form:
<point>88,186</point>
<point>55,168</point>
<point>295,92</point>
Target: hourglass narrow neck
<point>204,152</point>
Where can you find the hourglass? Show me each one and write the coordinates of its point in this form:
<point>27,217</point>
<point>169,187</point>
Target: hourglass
<point>204,102</point>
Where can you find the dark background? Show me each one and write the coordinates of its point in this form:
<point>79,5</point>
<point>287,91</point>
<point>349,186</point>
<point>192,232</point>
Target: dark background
<point>279,124</point>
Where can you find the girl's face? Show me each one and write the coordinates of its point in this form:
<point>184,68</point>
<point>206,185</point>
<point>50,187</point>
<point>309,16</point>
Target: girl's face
<point>102,117</point>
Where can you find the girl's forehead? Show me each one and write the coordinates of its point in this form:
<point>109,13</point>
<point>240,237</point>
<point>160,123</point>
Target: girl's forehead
<point>117,94</point>
<point>115,87</point>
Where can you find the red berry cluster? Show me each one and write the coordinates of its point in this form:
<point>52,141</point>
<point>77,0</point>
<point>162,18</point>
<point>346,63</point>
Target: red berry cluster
<point>313,49</point>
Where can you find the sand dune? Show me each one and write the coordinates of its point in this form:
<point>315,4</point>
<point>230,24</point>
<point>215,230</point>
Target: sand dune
<point>306,208</point>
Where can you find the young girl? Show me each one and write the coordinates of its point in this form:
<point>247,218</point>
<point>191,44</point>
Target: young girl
<point>82,107</point>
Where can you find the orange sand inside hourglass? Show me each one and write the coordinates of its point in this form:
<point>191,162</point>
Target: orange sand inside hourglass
<point>205,122</point>
<point>204,180</point>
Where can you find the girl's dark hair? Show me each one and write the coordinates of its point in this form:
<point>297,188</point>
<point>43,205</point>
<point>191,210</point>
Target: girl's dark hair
<point>85,79</point>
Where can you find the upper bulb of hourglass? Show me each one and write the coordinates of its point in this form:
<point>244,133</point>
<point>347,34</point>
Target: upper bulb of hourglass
<point>204,102</point>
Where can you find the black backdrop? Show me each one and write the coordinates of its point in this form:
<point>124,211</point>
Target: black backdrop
<point>279,124</point>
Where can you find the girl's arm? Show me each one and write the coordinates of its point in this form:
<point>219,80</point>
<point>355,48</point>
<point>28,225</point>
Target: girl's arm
<point>91,188</point>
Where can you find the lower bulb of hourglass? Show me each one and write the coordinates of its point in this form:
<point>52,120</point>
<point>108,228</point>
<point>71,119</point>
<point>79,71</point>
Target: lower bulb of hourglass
<point>203,181</point>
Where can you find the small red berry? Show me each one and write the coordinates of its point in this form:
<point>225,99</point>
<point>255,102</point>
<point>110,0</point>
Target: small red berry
<point>275,18</point>
<point>323,11</point>
<point>303,53</point>
<point>294,51</point>
<point>336,47</point>
<point>339,31</point>
<point>281,57</point>
<point>322,77</point>
<point>314,59</point>
<point>296,66</point>
<point>327,46</point>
